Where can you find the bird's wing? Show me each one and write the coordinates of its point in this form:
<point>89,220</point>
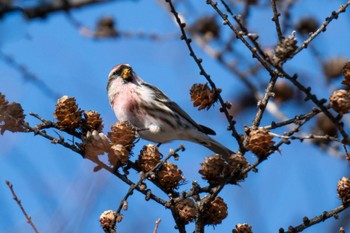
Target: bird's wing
<point>161,97</point>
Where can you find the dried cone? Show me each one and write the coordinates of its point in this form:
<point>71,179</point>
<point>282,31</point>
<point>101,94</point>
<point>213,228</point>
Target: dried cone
<point>307,25</point>
<point>149,157</point>
<point>12,116</point>
<point>95,144</point>
<point>202,96</point>
<point>260,142</point>
<point>216,169</point>
<point>285,49</point>
<point>122,133</point>
<point>169,176</point>
<point>106,28</point>
<point>243,228</point>
<point>186,209</point>
<point>237,164</point>
<point>215,211</point>
<point>92,121</point>
<point>213,168</point>
<point>333,67</point>
<point>344,190</point>
<point>107,221</point>
<point>340,101</point>
<point>68,114</point>
<point>118,155</point>
<point>346,74</point>
<point>283,92</point>
<point>3,105</point>
<point>206,27</point>
<point>325,126</point>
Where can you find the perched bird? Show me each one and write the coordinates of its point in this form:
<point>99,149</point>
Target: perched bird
<point>147,107</point>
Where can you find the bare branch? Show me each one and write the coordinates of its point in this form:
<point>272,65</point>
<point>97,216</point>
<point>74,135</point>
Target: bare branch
<point>320,218</point>
<point>205,74</point>
<point>157,225</point>
<point>276,14</point>
<point>19,202</point>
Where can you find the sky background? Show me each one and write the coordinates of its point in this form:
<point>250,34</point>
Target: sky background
<point>60,190</point>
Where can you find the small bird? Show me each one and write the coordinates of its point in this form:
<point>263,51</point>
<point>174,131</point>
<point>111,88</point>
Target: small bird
<point>146,107</point>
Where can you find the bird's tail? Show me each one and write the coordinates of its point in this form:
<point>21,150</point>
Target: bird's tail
<point>214,146</point>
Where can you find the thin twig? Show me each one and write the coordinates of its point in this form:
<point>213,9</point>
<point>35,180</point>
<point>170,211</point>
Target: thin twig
<point>275,18</point>
<point>157,225</point>
<point>306,137</point>
<point>320,218</point>
<point>323,27</point>
<point>19,202</point>
<point>205,74</point>
<point>294,120</point>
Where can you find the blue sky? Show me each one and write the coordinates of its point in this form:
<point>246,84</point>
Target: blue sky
<point>59,189</point>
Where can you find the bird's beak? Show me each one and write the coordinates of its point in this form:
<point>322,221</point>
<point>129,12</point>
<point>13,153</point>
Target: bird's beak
<point>126,74</point>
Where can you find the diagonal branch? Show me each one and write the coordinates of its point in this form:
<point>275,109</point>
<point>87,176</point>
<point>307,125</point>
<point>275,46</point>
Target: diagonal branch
<point>205,74</point>
<point>323,27</point>
<point>29,219</point>
<point>320,218</point>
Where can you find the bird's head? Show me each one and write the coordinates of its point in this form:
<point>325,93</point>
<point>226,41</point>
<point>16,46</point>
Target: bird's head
<point>122,77</point>
<point>122,74</point>
<point>123,71</point>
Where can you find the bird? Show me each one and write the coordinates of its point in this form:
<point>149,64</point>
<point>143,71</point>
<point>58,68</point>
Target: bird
<point>146,107</point>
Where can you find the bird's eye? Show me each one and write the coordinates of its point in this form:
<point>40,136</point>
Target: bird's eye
<point>118,72</point>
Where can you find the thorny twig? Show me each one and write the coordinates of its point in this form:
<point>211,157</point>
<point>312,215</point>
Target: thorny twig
<point>323,27</point>
<point>320,218</point>
<point>29,219</point>
<point>205,74</point>
<point>252,37</point>
<point>308,137</point>
<point>275,18</point>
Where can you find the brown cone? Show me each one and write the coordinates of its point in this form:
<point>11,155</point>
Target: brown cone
<point>92,121</point>
<point>206,27</point>
<point>3,104</point>
<point>186,209</point>
<point>285,49</point>
<point>122,133</point>
<point>215,211</point>
<point>202,96</point>
<point>118,155</point>
<point>169,176</point>
<point>216,169</point>
<point>260,142</point>
<point>344,190</point>
<point>12,116</point>
<point>149,157</point>
<point>346,74</point>
<point>68,114</point>
<point>95,144</point>
<point>243,228</point>
<point>333,67</point>
<point>340,101</point>
<point>107,220</point>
